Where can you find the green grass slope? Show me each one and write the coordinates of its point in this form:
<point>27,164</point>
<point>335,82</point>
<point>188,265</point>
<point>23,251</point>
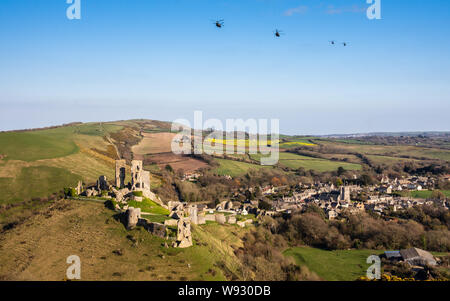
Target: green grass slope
<point>235,168</point>
<point>339,265</point>
<point>37,249</point>
<point>31,146</point>
<point>295,161</point>
<point>41,162</point>
<point>35,182</point>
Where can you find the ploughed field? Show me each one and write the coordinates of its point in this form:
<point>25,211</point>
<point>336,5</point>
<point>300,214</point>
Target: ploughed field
<point>185,163</point>
<point>153,143</point>
<point>155,148</point>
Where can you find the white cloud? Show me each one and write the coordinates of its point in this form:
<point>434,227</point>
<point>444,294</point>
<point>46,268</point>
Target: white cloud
<point>332,10</point>
<point>296,10</point>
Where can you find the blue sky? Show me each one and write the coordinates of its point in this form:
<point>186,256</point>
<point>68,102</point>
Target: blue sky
<point>163,59</point>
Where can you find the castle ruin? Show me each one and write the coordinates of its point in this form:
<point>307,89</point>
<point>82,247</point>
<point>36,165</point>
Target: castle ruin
<point>120,173</point>
<point>136,174</point>
<point>130,216</point>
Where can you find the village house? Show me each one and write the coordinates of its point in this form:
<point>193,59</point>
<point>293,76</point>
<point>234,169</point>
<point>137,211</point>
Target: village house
<point>385,189</point>
<point>332,214</point>
<point>191,176</point>
<point>412,186</point>
<point>418,257</point>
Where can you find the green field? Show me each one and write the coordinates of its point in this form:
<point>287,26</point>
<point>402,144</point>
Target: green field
<point>295,161</point>
<point>399,151</point>
<point>339,265</point>
<point>235,168</point>
<point>423,194</point>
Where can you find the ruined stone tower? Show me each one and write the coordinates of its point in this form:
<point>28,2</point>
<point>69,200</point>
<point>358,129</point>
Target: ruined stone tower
<point>184,237</point>
<point>102,184</point>
<point>145,180</point>
<point>120,173</point>
<point>136,174</point>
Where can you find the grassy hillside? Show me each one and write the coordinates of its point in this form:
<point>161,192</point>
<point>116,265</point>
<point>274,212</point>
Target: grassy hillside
<point>31,146</point>
<point>25,184</point>
<point>386,153</point>
<point>399,151</point>
<point>388,160</point>
<point>38,248</point>
<point>51,143</point>
<point>41,162</point>
<point>296,161</point>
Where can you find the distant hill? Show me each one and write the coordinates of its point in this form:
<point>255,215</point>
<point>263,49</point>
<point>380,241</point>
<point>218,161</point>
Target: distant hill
<point>391,134</point>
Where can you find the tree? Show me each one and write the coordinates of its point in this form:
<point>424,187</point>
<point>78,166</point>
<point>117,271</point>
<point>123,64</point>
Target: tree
<point>437,195</point>
<point>263,205</point>
<point>275,181</point>
<point>340,171</point>
<point>366,180</point>
<point>70,192</point>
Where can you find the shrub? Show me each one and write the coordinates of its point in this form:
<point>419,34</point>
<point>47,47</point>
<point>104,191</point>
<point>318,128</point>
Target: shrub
<point>262,259</point>
<point>70,192</point>
<point>138,193</point>
<point>264,205</point>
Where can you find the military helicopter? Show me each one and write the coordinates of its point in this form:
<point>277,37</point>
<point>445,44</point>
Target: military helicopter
<point>219,23</point>
<point>333,42</point>
<point>344,43</point>
<point>278,33</point>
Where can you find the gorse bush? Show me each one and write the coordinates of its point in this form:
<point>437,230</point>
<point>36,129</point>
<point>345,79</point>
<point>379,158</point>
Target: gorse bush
<point>70,192</point>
